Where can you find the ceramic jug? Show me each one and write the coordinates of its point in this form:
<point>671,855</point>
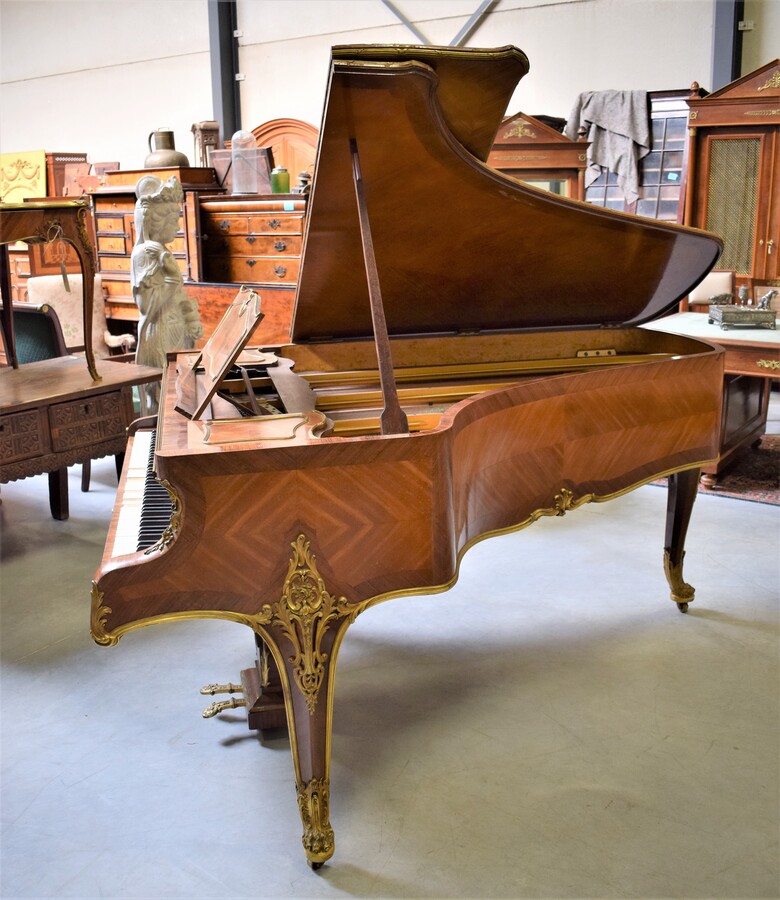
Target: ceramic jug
<point>164,152</point>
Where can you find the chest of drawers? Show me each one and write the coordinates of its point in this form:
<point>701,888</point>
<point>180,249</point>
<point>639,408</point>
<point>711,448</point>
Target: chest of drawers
<point>113,208</point>
<point>254,240</point>
<point>251,241</point>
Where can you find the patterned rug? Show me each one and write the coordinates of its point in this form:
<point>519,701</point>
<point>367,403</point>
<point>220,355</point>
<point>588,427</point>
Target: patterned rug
<point>754,476</point>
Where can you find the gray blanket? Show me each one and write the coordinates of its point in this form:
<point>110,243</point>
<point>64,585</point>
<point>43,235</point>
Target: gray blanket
<point>617,124</point>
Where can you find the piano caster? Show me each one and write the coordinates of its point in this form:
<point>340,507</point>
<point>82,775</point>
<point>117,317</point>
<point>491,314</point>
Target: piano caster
<point>683,607</point>
<point>219,706</point>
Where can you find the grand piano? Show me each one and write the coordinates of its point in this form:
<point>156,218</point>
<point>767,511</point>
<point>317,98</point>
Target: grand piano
<point>465,359</point>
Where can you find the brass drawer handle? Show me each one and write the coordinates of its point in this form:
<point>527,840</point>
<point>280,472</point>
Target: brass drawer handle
<point>274,223</point>
<point>280,246</point>
<point>280,271</point>
<point>225,225</point>
<point>773,364</point>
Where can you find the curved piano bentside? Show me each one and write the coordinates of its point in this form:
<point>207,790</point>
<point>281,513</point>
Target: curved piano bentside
<point>490,319</point>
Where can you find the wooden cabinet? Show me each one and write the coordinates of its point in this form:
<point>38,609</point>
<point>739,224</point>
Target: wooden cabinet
<point>663,171</point>
<point>253,240</point>
<point>113,208</point>
<point>19,270</point>
<point>752,362</point>
<point>292,142</point>
<point>734,136</point>
<point>535,153</point>
<point>54,414</point>
<point>57,166</point>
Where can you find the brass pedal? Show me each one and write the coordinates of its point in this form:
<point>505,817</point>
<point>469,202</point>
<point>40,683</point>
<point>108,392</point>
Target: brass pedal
<point>222,689</point>
<point>219,706</point>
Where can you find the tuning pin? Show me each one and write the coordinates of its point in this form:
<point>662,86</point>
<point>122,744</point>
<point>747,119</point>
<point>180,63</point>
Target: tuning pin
<point>222,689</point>
<point>219,706</point>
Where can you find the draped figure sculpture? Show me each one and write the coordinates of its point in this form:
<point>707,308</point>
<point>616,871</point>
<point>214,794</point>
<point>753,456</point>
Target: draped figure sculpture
<point>169,319</point>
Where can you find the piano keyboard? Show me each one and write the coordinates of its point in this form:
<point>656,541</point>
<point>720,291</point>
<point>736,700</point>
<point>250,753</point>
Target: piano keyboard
<point>146,507</point>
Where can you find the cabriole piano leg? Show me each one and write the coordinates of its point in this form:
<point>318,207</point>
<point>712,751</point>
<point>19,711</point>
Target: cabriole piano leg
<point>307,674</point>
<point>303,631</point>
<point>682,493</point>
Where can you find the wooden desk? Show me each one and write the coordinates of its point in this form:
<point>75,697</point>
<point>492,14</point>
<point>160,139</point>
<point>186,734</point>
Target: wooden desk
<point>53,414</point>
<point>752,361</point>
<point>37,223</point>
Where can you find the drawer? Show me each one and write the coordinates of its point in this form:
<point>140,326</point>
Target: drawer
<point>22,436</point>
<point>122,204</point>
<point>252,245</point>
<point>762,363</point>
<point>109,223</point>
<point>112,244</point>
<point>251,269</point>
<point>109,263</point>
<point>80,423</point>
<point>252,223</point>
<point>117,287</point>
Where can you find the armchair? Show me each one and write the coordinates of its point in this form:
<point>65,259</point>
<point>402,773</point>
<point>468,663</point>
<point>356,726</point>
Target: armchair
<point>716,283</point>
<point>39,336</point>
<point>69,305</point>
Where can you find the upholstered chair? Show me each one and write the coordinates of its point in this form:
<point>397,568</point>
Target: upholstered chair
<point>717,283</point>
<point>38,336</point>
<point>69,306</point>
<point>68,301</point>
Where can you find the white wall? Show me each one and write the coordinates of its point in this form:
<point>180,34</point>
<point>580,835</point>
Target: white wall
<point>573,46</point>
<point>761,44</point>
<point>98,75</point>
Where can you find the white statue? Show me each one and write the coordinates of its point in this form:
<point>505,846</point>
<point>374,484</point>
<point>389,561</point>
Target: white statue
<point>169,319</point>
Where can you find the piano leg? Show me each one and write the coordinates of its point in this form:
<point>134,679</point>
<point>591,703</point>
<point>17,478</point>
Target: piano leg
<point>307,669</point>
<point>303,630</point>
<point>682,493</point>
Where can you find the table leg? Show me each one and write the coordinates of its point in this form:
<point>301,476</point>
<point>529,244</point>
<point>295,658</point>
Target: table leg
<point>58,494</point>
<point>7,320</point>
<point>74,232</point>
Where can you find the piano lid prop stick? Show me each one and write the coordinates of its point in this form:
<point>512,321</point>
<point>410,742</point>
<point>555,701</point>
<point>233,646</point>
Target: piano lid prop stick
<point>393,418</point>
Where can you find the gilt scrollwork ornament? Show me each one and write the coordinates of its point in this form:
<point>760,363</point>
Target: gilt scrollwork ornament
<point>772,364</point>
<point>314,805</point>
<point>98,617</point>
<point>772,82</point>
<point>173,526</point>
<point>304,613</point>
<point>564,501</point>
<point>81,227</point>
<point>521,129</point>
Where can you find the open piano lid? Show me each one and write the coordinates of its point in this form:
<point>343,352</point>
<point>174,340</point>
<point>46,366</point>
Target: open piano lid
<point>460,247</point>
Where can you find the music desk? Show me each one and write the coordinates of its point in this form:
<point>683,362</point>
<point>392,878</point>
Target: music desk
<point>39,222</point>
<point>53,414</point>
<point>752,361</point>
